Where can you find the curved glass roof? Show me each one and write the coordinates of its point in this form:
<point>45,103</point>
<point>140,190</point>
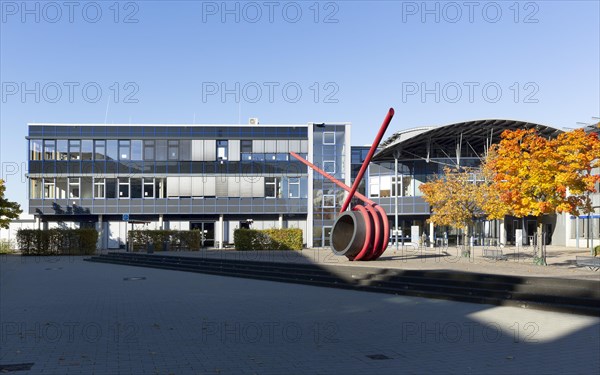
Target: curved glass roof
<point>467,139</point>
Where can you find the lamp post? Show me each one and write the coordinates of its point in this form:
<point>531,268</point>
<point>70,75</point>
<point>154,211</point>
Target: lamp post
<point>590,231</point>
<point>396,196</point>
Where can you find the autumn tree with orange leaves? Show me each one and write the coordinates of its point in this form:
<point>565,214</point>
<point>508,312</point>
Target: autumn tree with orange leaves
<point>537,176</point>
<point>458,197</point>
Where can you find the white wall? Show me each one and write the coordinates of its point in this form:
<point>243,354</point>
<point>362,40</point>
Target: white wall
<point>24,222</point>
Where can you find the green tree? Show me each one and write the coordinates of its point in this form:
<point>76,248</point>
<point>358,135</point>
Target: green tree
<point>8,210</point>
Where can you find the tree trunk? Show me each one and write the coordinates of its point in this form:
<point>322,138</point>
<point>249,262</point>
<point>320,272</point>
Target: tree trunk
<point>540,227</point>
<point>539,253</point>
<point>466,242</point>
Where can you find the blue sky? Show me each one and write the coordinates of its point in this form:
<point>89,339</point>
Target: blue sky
<point>348,61</point>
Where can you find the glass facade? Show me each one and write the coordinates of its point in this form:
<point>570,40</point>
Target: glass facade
<point>329,153</point>
<point>180,172</point>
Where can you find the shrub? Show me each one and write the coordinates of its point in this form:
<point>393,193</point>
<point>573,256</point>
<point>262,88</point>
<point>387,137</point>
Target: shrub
<point>175,239</point>
<point>597,250</point>
<point>6,247</point>
<point>57,241</point>
<point>268,239</point>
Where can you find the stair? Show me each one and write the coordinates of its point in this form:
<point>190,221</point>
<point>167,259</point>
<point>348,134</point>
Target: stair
<point>572,296</point>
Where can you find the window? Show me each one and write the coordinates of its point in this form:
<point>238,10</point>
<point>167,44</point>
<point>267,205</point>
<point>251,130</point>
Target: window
<point>327,236</point>
<point>161,150</point>
<point>407,186</point>
<point>49,188</point>
<point>99,150</point>
<point>148,188</point>
<point>148,150</point>
<point>329,166</point>
<point>160,187</point>
<point>374,188</point>
<point>111,187</point>
<point>35,188</point>
<point>112,150</point>
<point>185,149</point>
<point>294,187</point>
<point>136,150</point>
<point>222,147</point>
<point>99,188</point>
<point>87,148</point>
<point>385,186</point>
<point>124,150</point>
<point>396,186</point>
<point>246,146</point>
<point>49,149</point>
<point>62,149</point>
<point>74,187</point>
<point>74,149</point>
<point>123,188</point>
<point>136,187</point>
<point>328,138</point>
<point>35,149</point>
<point>173,150</point>
<point>271,187</point>
<point>328,201</point>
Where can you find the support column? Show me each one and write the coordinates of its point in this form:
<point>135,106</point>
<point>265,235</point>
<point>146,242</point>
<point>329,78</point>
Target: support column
<point>502,233</point>
<point>395,197</point>
<point>100,243</point>
<point>281,221</point>
<point>431,234</point>
<point>577,231</point>
<point>221,230</point>
<point>38,222</point>
<point>160,221</point>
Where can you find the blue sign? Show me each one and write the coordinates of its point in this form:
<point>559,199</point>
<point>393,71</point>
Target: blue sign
<point>125,217</point>
<point>586,217</point>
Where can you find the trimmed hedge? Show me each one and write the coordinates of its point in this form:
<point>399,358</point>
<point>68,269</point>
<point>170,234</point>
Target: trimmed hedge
<point>57,241</point>
<point>176,239</point>
<point>268,239</point>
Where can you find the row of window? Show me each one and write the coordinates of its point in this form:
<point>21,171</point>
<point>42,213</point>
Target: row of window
<point>257,132</point>
<point>386,186</point>
<point>164,150</point>
<point>169,187</point>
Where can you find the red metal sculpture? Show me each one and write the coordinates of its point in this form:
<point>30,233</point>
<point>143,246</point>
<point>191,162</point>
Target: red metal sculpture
<point>363,232</point>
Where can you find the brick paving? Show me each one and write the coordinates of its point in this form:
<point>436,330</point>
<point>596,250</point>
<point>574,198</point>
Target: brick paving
<point>73,317</point>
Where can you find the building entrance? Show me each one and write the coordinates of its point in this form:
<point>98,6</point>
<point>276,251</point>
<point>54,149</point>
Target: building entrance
<point>207,231</point>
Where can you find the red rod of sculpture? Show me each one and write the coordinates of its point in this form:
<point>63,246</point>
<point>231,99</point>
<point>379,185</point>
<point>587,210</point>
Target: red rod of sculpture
<point>363,168</point>
<point>331,178</point>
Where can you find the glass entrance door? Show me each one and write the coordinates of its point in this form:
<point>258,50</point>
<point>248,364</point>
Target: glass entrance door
<point>207,231</point>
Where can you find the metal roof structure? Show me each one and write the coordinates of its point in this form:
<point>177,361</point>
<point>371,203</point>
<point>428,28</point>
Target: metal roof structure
<point>463,139</point>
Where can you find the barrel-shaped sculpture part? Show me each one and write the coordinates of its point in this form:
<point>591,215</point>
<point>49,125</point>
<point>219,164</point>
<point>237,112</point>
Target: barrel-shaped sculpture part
<point>349,233</point>
<point>360,234</point>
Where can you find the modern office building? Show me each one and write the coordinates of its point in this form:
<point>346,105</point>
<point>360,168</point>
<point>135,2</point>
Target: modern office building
<point>221,177</point>
<point>212,177</point>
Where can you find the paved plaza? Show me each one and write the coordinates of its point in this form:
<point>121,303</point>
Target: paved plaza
<point>561,260</point>
<point>67,316</point>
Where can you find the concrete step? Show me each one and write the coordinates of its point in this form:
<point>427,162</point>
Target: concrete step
<point>579,297</point>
